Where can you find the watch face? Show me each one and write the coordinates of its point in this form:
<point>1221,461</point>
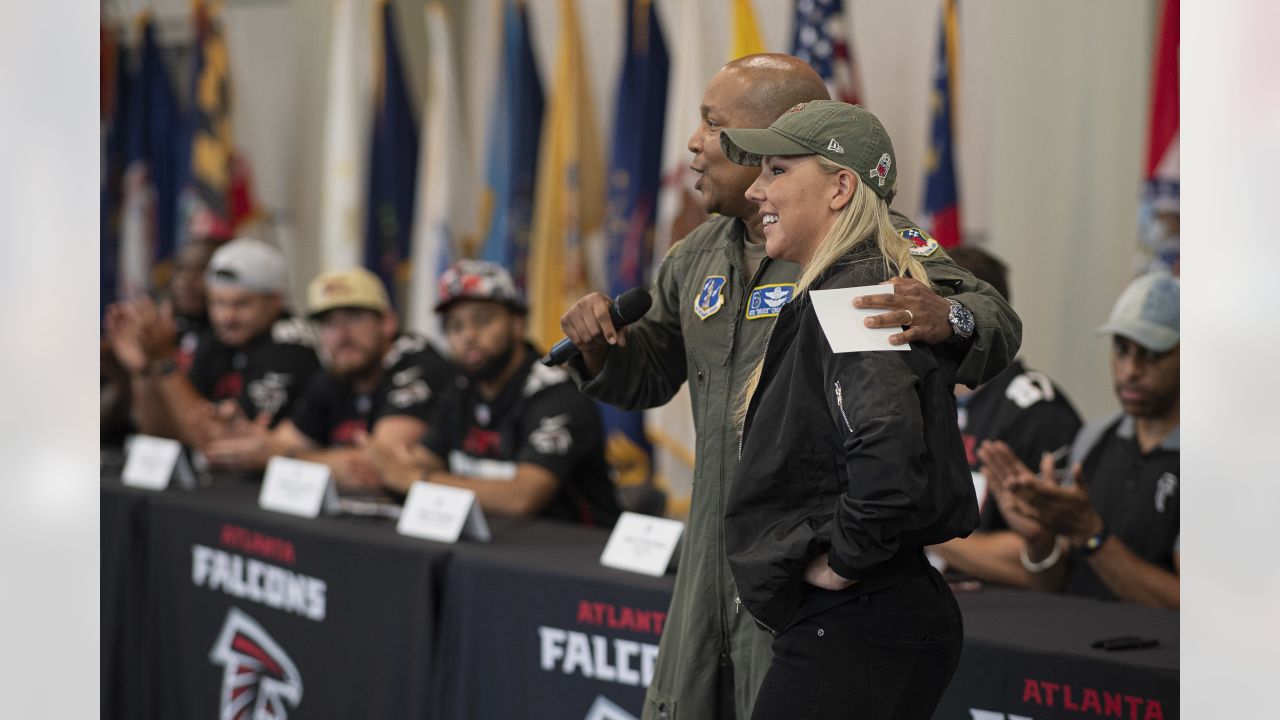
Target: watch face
<point>961,319</point>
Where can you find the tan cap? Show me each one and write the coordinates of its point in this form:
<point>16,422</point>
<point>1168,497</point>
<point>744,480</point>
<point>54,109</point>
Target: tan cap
<point>355,288</point>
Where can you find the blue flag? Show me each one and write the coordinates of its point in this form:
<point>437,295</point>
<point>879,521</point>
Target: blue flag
<point>514,134</point>
<point>941,195</point>
<point>393,160</point>
<point>112,118</point>
<point>634,176</point>
<point>152,129</point>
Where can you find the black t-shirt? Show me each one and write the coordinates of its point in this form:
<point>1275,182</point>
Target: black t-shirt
<point>266,374</point>
<point>1026,410</point>
<point>1136,494</point>
<point>413,378</point>
<point>191,329</point>
<point>540,417</point>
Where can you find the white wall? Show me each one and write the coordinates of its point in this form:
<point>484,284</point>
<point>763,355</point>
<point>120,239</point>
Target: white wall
<point>1052,96</point>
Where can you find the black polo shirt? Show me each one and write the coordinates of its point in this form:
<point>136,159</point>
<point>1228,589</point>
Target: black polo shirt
<point>267,374</point>
<point>1137,495</point>
<point>1026,410</point>
<point>540,417</point>
<point>413,378</point>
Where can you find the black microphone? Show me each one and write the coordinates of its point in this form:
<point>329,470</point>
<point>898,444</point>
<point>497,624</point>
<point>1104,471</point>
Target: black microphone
<point>627,308</point>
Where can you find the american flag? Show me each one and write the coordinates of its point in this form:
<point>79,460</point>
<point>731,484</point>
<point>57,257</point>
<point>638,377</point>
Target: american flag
<point>822,40</point>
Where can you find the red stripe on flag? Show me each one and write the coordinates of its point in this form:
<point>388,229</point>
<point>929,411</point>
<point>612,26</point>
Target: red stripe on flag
<point>946,227</point>
<point>1164,88</point>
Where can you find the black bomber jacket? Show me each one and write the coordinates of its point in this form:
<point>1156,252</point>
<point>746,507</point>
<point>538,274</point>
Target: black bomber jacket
<point>856,454</point>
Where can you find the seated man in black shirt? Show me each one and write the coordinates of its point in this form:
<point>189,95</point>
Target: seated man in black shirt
<point>1021,407</point>
<point>1118,512</point>
<point>517,433</point>
<point>253,363</point>
<point>376,381</point>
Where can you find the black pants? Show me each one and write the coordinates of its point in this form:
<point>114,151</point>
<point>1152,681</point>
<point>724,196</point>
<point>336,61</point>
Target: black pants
<point>885,655</point>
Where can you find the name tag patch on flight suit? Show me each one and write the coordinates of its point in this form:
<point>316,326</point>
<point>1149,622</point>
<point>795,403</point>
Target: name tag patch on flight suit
<point>767,300</point>
<point>921,244</point>
<point>710,298</point>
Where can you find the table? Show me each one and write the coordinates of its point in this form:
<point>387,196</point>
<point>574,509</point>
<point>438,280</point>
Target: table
<point>530,626</point>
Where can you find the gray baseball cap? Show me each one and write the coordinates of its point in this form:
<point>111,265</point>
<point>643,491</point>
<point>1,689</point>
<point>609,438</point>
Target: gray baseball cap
<point>1147,312</point>
<point>247,263</point>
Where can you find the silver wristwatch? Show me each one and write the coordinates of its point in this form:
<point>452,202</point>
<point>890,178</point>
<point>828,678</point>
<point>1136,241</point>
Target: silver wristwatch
<point>961,321</point>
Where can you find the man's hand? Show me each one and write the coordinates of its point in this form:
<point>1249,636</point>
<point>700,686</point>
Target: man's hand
<point>912,303</point>
<point>1064,510</point>
<point>819,573</point>
<point>1003,470</point>
<point>398,465</point>
<point>124,338</point>
<point>159,331</point>
<point>242,444</point>
<point>588,326</point>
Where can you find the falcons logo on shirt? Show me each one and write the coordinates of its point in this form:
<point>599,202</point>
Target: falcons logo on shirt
<point>259,682</point>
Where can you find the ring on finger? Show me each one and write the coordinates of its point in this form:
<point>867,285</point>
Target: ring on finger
<point>910,317</point>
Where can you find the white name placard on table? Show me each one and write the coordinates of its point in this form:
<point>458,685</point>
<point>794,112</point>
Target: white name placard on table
<point>153,462</point>
<point>297,487</point>
<point>442,513</point>
<point>642,544</point>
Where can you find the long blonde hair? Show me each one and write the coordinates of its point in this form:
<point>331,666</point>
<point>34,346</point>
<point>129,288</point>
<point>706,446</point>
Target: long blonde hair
<point>864,217</point>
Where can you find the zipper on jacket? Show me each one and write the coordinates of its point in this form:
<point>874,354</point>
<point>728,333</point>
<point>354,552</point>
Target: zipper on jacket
<point>840,404</point>
<point>737,607</point>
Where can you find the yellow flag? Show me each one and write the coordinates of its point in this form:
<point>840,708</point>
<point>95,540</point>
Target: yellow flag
<point>744,38</point>
<point>569,203</point>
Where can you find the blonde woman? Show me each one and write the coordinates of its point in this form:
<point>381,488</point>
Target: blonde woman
<point>851,463</point>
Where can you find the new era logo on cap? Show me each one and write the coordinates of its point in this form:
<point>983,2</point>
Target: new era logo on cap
<point>835,146</point>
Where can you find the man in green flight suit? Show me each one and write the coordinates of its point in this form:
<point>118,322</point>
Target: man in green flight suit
<point>714,300</point>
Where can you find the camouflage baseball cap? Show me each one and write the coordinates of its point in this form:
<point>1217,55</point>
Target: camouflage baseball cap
<point>845,134</point>
<point>478,280</point>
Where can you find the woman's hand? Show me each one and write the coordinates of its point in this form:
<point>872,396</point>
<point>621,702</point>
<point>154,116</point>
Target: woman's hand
<point>820,574</point>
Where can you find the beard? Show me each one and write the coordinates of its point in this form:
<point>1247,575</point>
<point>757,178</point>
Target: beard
<point>492,367</point>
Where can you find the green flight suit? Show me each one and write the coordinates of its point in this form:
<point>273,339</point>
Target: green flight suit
<point>712,657</point>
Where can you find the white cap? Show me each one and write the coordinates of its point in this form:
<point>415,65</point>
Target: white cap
<point>1147,312</point>
<point>247,263</point>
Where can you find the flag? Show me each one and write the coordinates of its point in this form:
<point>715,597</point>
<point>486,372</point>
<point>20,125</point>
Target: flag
<point>693,62</point>
<point>569,198</point>
<point>941,214</point>
<point>744,33</point>
<point>634,168</point>
<point>149,197</point>
<point>444,216</point>
<point>215,196</point>
<point>393,156</point>
<point>669,428</point>
<point>110,164</point>
<point>512,165</point>
<point>346,128</point>
<point>821,39</point>
<point>1159,209</point>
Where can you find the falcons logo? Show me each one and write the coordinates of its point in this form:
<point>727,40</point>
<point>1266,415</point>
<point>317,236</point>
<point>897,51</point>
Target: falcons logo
<point>260,682</point>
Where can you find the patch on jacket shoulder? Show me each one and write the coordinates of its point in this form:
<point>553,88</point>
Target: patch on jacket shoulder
<point>767,300</point>
<point>922,245</point>
<point>710,298</point>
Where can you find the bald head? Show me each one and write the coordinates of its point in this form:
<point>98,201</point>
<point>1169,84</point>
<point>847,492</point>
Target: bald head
<point>777,82</point>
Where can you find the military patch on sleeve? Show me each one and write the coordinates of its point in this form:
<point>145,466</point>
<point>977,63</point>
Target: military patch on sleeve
<point>767,300</point>
<point>711,298</point>
<point>921,244</point>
